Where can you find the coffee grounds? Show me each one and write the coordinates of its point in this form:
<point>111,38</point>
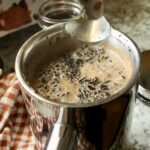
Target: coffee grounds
<point>88,74</point>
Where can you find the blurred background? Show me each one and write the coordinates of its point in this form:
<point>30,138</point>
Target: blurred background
<point>128,16</point>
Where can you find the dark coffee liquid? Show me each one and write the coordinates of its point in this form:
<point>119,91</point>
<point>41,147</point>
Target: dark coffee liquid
<point>61,14</point>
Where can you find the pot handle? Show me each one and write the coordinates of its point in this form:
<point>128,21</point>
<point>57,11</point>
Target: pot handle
<point>63,134</point>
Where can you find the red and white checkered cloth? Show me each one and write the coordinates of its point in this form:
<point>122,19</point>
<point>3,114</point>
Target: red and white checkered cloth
<point>15,130</point>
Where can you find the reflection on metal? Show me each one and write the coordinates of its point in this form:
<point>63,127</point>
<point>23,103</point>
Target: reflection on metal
<point>103,117</point>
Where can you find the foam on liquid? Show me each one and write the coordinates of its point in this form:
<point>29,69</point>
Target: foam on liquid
<point>88,74</point>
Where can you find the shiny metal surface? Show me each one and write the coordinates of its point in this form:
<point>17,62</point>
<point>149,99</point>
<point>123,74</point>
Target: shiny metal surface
<point>126,122</point>
<point>63,135</point>
<point>89,30</point>
<point>37,51</point>
<point>94,27</point>
<point>30,57</point>
<point>104,123</point>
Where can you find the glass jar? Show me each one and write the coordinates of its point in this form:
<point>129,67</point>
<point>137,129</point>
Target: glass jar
<point>57,11</point>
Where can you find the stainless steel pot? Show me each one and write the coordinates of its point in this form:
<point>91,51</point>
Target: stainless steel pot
<point>104,119</point>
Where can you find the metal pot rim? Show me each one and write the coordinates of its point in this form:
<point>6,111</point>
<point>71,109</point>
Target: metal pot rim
<point>29,90</point>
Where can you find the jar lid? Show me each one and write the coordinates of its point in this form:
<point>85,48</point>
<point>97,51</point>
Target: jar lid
<point>144,84</point>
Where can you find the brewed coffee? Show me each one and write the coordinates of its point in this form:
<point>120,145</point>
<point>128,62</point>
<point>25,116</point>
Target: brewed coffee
<point>87,74</point>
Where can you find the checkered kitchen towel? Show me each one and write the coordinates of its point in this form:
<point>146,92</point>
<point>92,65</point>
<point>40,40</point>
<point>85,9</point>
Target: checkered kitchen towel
<point>15,131</point>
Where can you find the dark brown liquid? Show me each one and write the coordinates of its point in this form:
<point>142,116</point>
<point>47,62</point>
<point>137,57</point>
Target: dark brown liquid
<point>61,14</point>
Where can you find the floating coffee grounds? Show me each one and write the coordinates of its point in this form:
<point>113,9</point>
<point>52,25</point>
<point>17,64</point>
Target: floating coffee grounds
<point>88,74</point>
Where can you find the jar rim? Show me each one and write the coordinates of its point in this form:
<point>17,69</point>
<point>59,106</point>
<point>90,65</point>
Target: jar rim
<point>53,4</point>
